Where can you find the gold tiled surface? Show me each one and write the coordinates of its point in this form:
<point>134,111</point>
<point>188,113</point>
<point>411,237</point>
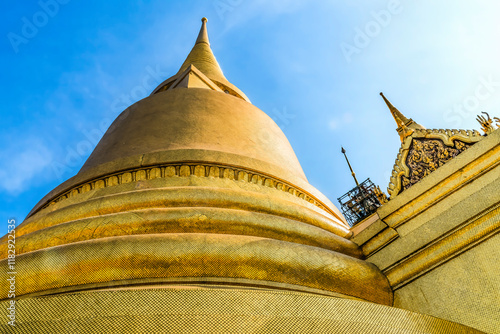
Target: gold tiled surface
<point>190,226</point>
<point>182,255</point>
<point>183,220</point>
<point>215,310</point>
<point>170,197</point>
<point>453,244</point>
<point>465,289</point>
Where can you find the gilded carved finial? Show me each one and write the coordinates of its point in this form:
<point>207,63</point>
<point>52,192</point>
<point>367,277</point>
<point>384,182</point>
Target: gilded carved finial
<point>487,123</point>
<point>405,126</point>
<point>348,163</point>
<point>400,119</point>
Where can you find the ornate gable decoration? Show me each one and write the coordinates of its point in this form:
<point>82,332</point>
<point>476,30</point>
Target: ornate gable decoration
<point>424,151</point>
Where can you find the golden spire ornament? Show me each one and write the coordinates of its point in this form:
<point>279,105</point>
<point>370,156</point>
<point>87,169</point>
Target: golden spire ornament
<point>405,126</point>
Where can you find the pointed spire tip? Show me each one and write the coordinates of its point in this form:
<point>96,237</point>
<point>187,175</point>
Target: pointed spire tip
<point>398,116</point>
<point>405,125</point>
<point>203,35</point>
<point>389,104</point>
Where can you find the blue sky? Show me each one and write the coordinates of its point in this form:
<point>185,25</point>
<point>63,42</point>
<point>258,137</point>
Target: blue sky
<point>69,67</point>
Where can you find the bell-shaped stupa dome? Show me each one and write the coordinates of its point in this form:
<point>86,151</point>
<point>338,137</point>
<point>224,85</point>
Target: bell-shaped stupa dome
<point>192,187</point>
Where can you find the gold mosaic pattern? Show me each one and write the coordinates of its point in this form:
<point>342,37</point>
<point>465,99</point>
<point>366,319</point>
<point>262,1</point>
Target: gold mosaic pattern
<point>215,310</point>
<point>450,245</point>
<point>181,220</point>
<point>181,255</point>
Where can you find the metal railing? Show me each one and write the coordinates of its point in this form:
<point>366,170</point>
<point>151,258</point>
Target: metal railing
<point>359,202</point>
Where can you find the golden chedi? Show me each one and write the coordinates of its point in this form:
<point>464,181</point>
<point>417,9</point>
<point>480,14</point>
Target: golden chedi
<point>193,214</point>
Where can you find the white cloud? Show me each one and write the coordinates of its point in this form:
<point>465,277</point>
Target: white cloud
<point>333,124</point>
<point>338,122</point>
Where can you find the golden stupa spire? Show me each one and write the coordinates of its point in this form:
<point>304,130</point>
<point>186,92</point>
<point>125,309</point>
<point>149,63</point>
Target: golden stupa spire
<point>202,62</point>
<point>202,57</point>
<point>405,126</point>
<point>203,35</point>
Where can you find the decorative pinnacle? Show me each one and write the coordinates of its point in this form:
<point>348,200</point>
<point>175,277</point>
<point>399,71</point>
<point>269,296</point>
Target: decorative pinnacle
<point>400,119</point>
<point>405,126</point>
<point>203,35</point>
<point>348,163</point>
